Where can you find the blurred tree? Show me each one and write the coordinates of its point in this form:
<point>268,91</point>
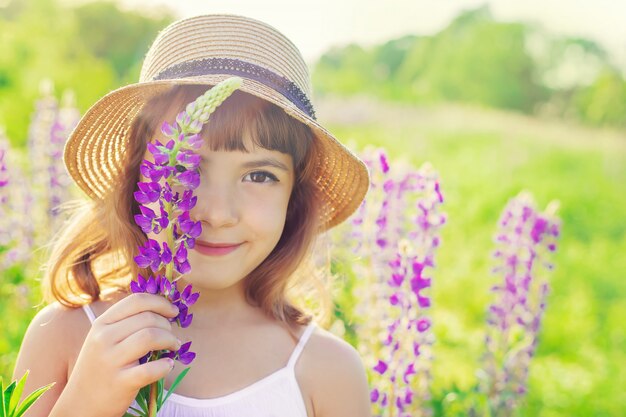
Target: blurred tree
<point>67,45</point>
<point>481,61</point>
<point>475,59</point>
<point>120,38</point>
<point>603,103</point>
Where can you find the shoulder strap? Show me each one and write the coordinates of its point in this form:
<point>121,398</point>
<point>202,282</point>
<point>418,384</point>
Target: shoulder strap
<point>89,312</point>
<point>303,339</point>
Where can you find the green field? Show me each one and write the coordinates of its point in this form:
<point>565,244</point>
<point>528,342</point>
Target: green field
<point>485,157</point>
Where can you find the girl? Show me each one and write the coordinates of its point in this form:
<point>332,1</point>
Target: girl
<point>272,178</point>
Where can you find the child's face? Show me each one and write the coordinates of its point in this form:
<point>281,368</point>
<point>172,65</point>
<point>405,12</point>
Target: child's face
<point>237,203</point>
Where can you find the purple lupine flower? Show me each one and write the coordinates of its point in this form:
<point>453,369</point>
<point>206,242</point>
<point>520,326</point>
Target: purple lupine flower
<point>524,240</point>
<point>149,192</point>
<point>182,355</point>
<point>187,202</point>
<point>188,159</point>
<point>65,120</point>
<point>41,144</point>
<point>16,206</point>
<point>398,227</point>
<point>156,172</point>
<point>189,179</point>
<point>161,153</point>
<point>149,255</point>
<point>5,220</point>
<point>175,165</point>
<point>4,174</point>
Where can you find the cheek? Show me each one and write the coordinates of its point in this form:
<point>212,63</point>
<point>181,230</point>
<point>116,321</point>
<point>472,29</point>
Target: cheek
<point>266,210</point>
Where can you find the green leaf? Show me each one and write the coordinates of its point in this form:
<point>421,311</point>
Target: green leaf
<point>6,399</point>
<point>175,383</point>
<point>142,400</point>
<point>31,399</point>
<point>2,412</point>
<point>140,413</point>
<point>159,393</point>
<point>17,394</point>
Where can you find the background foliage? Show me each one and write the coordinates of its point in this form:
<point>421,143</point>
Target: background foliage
<point>509,83</point>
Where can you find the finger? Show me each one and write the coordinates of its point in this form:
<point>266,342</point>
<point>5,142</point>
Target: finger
<point>118,331</point>
<point>137,303</point>
<point>141,375</point>
<point>139,343</point>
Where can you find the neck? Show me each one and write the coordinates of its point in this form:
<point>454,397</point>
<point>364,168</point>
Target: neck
<point>219,307</point>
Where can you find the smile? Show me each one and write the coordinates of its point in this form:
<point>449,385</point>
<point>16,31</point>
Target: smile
<point>217,250</point>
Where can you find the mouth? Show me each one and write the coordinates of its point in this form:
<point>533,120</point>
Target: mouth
<point>215,249</point>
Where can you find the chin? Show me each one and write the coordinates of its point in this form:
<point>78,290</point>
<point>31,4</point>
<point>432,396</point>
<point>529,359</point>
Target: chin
<point>208,282</point>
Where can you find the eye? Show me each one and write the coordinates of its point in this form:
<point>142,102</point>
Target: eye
<point>261,176</point>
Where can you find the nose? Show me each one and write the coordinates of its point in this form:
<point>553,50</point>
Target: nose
<point>216,206</point>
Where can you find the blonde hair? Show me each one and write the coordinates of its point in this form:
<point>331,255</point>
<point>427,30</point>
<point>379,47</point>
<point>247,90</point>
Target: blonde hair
<point>94,251</point>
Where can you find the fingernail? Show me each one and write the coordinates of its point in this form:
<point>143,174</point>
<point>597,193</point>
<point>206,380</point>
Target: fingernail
<point>178,344</point>
<point>171,362</point>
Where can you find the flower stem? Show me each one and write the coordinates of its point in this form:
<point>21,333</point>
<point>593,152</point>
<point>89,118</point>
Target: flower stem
<point>152,397</point>
<point>169,233</point>
<point>152,407</point>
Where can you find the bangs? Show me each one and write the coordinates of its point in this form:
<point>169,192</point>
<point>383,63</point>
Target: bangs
<point>244,118</point>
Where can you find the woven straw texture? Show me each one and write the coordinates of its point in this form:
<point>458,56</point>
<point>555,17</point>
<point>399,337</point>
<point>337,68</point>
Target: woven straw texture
<point>95,148</point>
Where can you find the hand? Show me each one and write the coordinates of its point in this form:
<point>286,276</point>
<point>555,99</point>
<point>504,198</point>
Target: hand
<point>107,375</point>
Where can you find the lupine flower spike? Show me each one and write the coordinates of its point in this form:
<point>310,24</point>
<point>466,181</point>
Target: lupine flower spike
<point>525,240</point>
<point>396,231</point>
<point>175,167</point>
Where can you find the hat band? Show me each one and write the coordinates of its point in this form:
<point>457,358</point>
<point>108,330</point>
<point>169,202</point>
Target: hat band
<point>238,67</point>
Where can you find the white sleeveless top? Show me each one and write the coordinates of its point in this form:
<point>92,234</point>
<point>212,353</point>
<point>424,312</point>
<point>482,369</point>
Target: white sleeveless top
<point>276,395</point>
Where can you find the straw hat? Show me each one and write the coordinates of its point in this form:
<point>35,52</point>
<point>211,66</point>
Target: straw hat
<point>207,49</point>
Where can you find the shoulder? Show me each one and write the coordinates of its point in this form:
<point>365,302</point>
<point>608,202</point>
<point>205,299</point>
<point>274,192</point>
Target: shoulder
<point>56,326</point>
<point>53,329</point>
<point>62,330</point>
<point>334,377</point>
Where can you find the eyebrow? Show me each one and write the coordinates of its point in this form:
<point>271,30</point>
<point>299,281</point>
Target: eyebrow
<point>266,162</point>
<point>261,163</point>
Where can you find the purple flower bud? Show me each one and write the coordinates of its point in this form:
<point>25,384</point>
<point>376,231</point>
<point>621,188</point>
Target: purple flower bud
<point>189,227</point>
<point>383,163</point>
<point>181,254</point>
<point>184,356</point>
<point>188,159</point>
<point>188,201</point>
<point>182,267</point>
<point>381,367</point>
<point>155,172</point>
<point>164,219</point>
<point>149,255</point>
<point>166,256</point>
<point>374,395</point>
<point>145,220</point>
<point>149,192</point>
<point>187,298</point>
<point>394,299</point>
<point>167,129</point>
<point>196,125</point>
<point>189,179</point>
<point>195,141</point>
<point>152,286</point>
<point>182,119</point>
<point>139,285</point>
<point>160,153</point>
<point>423,325</point>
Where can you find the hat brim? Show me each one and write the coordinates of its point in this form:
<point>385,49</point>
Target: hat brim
<point>94,150</point>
